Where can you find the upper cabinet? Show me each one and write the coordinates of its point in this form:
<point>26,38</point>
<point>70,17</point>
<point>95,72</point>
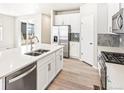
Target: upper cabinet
<point>113,8</point>
<point>105,12</point>
<point>7,31</point>
<point>69,19</point>
<point>122,5</point>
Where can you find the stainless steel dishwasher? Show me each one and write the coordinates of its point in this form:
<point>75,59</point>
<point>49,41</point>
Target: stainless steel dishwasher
<point>24,79</point>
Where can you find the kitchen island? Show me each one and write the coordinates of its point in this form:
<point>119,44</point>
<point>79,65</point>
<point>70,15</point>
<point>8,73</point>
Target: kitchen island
<point>48,64</point>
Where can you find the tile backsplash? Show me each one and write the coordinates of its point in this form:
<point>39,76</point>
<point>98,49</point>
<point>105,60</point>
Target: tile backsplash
<point>121,40</point>
<point>109,40</point>
<point>74,37</point>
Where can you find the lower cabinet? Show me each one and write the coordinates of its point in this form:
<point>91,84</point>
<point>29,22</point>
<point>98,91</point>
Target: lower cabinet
<point>1,84</point>
<point>51,69</point>
<point>42,77</point>
<point>48,67</point>
<point>74,50</point>
<point>115,76</point>
<point>59,61</point>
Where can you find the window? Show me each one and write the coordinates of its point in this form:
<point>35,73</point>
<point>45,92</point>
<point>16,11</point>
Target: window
<point>27,29</point>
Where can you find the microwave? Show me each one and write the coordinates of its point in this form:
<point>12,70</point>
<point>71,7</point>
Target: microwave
<point>118,22</point>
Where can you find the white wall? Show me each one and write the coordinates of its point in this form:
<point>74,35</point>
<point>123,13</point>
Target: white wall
<point>8,24</point>
<point>35,19</point>
<point>46,27</point>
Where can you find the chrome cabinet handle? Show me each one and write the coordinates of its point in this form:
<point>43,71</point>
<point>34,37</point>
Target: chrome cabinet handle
<point>22,75</point>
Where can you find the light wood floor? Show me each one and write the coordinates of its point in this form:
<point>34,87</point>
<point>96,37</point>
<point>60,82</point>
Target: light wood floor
<point>75,75</point>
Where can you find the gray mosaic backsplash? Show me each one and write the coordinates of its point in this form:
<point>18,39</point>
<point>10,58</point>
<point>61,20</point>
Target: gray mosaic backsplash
<point>109,40</point>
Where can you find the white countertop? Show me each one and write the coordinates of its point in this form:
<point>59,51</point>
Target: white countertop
<point>111,49</point>
<point>14,59</point>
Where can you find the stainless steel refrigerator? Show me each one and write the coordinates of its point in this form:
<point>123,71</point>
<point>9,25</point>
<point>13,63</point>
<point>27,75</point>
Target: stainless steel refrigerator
<point>61,36</point>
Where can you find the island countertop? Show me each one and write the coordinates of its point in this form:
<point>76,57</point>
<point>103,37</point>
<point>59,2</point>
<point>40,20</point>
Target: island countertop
<point>12,60</point>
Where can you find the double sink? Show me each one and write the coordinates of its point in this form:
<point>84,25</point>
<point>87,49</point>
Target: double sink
<point>36,52</point>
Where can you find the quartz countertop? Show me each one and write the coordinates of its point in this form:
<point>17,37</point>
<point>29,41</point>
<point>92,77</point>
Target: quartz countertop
<point>12,60</point>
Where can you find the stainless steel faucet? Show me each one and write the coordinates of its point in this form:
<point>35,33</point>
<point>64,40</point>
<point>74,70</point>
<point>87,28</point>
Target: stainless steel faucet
<point>31,40</point>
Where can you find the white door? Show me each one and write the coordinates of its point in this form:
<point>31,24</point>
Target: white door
<point>87,39</point>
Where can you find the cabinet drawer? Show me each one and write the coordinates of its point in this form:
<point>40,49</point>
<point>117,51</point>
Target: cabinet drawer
<point>45,60</point>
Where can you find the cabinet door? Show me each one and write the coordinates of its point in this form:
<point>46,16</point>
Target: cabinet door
<point>67,19</point>
<point>122,5</point>
<point>113,8</point>
<point>42,77</point>
<point>1,84</point>
<point>115,76</point>
<point>59,61</point>
<point>59,20</point>
<point>45,71</point>
<point>51,69</point>
<point>75,22</point>
<point>74,49</point>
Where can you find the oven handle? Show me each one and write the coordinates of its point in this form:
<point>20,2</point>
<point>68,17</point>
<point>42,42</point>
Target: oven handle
<point>22,75</point>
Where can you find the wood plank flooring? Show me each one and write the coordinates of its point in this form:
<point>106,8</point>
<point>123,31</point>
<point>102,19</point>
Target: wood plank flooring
<point>75,75</point>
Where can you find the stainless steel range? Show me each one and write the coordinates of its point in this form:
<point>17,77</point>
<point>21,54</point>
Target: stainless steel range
<point>109,57</point>
<point>112,57</point>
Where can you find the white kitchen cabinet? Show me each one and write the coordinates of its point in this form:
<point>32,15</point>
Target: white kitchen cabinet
<point>113,8</point>
<point>45,71</point>
<point>122,5</point>
<point>8,26</point>
<point>69,19</point>
<point>59,20</point>
<point>51,69</point>
<point>115,76</point>
<point>59,61</point>
<point>48,68</point>
<point>75,22</point>
<point>102,18</point>
<point>42,77</point>
<point>74,49</point>
<point>1,84</point>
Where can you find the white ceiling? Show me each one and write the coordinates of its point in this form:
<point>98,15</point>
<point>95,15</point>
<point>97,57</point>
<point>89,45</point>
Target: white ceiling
<point>25,9</point>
